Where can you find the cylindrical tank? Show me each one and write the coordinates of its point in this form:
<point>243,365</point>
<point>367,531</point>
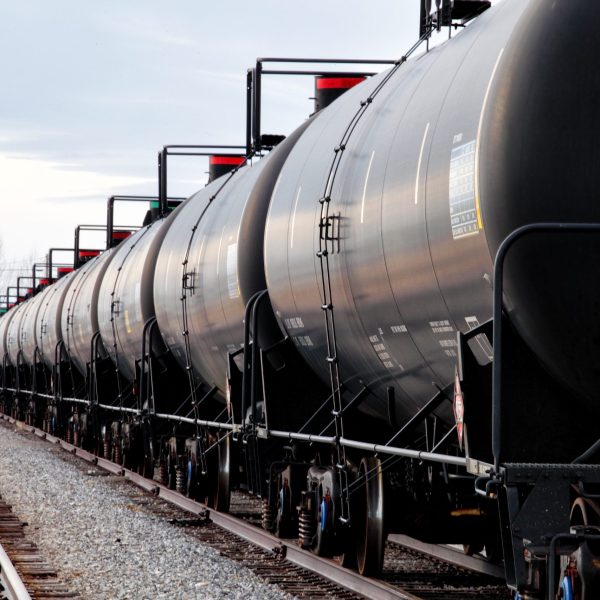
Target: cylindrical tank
<point>4,324</point>
<point>417,207</point>
<point>79,316</point>
<point>49,326</point>
<point>126,296</point>
<point>12,334</point>
<point>211,263</point>
<point>27,329</point>
<point>538,162</point>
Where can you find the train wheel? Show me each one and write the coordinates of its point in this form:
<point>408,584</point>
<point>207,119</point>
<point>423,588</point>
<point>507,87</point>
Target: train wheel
<point>325,523</point>
<point>220,493</point>
<point>368,517</point>
<point>283,516</point>
<point>580,576</point>
<point>289,496</point>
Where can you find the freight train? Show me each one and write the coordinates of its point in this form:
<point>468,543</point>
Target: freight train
<point>388,323</point>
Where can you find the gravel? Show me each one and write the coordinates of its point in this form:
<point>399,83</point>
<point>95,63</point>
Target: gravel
<point>103,544</point>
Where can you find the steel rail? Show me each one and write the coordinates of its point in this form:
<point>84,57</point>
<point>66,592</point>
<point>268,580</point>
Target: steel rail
<point>325,567</point>
<point>450,555</point>
<point>14,587</point>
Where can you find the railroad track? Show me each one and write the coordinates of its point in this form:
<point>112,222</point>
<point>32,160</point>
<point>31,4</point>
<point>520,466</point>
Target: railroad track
<point>11,584</point>
<point>25,574</point>
<point>410,572</point>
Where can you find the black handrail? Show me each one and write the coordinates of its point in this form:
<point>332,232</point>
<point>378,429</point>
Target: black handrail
<point>497,335</point>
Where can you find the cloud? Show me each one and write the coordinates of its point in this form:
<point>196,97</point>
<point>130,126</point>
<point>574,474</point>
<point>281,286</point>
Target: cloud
<point>26,180</point>
<point>141,24</point>
<point>42,201</point>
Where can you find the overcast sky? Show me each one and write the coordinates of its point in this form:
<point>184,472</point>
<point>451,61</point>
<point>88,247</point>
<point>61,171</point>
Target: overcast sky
<point>92,89</point>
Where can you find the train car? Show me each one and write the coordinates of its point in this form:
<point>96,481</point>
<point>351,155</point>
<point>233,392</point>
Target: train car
<point>386,324</point>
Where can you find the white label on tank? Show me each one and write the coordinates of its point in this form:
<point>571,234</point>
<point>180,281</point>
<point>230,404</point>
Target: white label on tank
<point>448,343</point>
<point>383,354</point>
<point>294,323</point>
<point>232,281</point>
<point>463,206</point>
<point>441,326</point>
<point>303,340</point>
<point>398,329</point>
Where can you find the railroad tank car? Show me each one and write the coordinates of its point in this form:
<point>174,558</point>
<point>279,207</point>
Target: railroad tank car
<point>28,334</point>
<point>12,335</point>
<point>79,314</point>
<point>4,326</point>
<point>211,263</point>
<point>432,180</point>
<point>125,297</point>
<point>371,232</point>
<point>50,319</point>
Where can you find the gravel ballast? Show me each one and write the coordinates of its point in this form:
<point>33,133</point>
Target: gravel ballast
<point>103,544</point>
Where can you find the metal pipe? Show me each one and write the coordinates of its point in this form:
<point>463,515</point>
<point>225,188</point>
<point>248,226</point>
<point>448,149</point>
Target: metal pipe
<point>249,112</point>
<point>76,247</point>
<point>110,207</point>
<point>19,285</point>
<point>163,170</point>
<point>255,379</point>
<point>110,213</point>
<point>148,325</point>
<point>194,421</point>
<point>405,452</point>
<point>56,377</point>
<point>76,401</point>
<point>203,146</point>
<point>246,381</point>
<point>304,437</point>
<point>162,201</point>
<point>343,61</point>
<point>322,73</point>
<point>77,242</point>
<point>256,93</point>
<point>497,333</point>
<point>94,345</point>
<point>134,411</point>
<point>50,262</point>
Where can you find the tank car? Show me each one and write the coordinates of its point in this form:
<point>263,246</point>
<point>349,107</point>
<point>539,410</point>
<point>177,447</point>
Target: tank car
<point>350,328</point>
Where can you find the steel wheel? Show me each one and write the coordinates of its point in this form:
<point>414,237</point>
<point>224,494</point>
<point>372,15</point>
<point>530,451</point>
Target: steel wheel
<point>221,488</point>
<point>578,573</point>
<point>325,523</point>
<point>368,517</point>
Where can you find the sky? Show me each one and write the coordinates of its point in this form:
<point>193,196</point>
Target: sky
<point>92,89</point>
